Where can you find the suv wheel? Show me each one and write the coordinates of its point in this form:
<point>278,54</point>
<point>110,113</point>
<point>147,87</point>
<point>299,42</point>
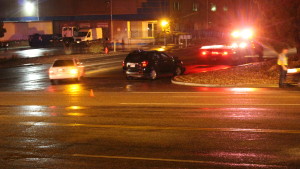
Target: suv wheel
<point>153,75</point>
<point>178,71</point>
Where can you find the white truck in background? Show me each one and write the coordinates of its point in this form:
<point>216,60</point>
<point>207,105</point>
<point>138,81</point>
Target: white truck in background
<point>68,33</point>
<point>86,35</point>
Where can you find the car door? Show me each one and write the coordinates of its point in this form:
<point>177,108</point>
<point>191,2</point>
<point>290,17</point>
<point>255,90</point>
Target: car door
<point>79,66</point>
<point>161,63</point>
<point>168,63</point>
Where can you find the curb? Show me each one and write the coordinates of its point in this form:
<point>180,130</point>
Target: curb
<point>216,85</point>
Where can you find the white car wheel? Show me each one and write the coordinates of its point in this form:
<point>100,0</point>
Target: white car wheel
<point>153,75</point>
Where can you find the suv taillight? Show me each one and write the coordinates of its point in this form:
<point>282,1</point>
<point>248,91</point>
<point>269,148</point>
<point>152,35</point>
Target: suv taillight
<point>204,53</point>
<point>144,63</point>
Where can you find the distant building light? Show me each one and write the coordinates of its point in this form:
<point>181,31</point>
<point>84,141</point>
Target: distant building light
<point>195,7</point>
<point>213,8</point>
<point>225,8</point>
<point>176,6</point>
<point>29,8</point>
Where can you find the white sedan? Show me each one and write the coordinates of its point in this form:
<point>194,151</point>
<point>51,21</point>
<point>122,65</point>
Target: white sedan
<point>66,69</point>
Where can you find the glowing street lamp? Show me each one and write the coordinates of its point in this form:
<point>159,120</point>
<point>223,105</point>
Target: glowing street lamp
<point>30,8</point>
<point>164,23</point>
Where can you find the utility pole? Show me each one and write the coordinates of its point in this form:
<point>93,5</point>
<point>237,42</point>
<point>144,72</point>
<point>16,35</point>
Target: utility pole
<point>112,25</point>
<point>207,11</point>
<point>37,10</point>
<point>111,22</point>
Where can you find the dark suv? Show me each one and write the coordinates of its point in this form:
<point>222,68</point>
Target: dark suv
<point>151,64</point>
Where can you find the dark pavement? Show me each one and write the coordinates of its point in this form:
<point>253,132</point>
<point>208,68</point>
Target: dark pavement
<point>142,123</point>
<point>229,129</point>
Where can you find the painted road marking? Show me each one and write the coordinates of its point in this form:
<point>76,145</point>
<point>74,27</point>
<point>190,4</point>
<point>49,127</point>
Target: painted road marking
<point>226,96</point>
<point>161,128</point>
<point>178,161</point>
<point>206,104</point>
<point>102,63</point>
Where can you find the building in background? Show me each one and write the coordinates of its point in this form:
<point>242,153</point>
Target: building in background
<point>220,15</point>
<point>133,21</point>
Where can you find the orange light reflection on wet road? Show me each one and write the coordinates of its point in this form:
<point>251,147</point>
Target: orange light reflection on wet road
<point>74,89</point>
<point>75,114</point>
<point>75,108</point>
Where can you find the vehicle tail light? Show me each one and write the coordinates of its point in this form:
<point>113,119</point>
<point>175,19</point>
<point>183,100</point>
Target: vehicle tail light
<point>225,53</point>
<point>204,53</point>
<point>73,71</point>
<point>123,64</point>
<point>215,53</point>
<point>145,63</point>
<point>51,71</point>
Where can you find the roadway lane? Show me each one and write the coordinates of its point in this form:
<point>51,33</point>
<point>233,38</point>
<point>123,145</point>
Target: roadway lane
<point>143,124</point>
<point>102,73</point>
<point>250,128</point>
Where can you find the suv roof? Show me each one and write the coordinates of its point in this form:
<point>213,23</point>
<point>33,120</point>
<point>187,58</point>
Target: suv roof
<point>139,55</point>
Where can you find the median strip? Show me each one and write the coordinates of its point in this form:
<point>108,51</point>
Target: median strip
<point>178,161</point>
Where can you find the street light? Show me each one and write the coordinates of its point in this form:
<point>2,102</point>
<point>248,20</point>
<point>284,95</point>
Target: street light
<point>30,8</point>
<point>164,23</point>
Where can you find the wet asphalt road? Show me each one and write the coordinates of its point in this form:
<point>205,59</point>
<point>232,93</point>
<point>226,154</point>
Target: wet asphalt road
<point>143,124</point>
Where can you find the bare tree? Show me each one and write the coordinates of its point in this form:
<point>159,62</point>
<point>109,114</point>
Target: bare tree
<point>280,22</point>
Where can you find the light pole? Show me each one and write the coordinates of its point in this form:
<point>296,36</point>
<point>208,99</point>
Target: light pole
<point>112,25</point>
<point>37,10</point>
<point>207,11</point>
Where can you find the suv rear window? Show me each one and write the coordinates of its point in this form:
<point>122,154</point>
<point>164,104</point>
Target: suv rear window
<point>137,57</point>
<point>60,63</point>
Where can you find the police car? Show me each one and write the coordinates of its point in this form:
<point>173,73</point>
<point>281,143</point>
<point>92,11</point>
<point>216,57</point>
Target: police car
<point>239,47</point>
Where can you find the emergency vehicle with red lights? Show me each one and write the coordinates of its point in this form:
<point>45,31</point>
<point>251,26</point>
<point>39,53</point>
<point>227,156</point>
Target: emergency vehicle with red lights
<point>238,48</point>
